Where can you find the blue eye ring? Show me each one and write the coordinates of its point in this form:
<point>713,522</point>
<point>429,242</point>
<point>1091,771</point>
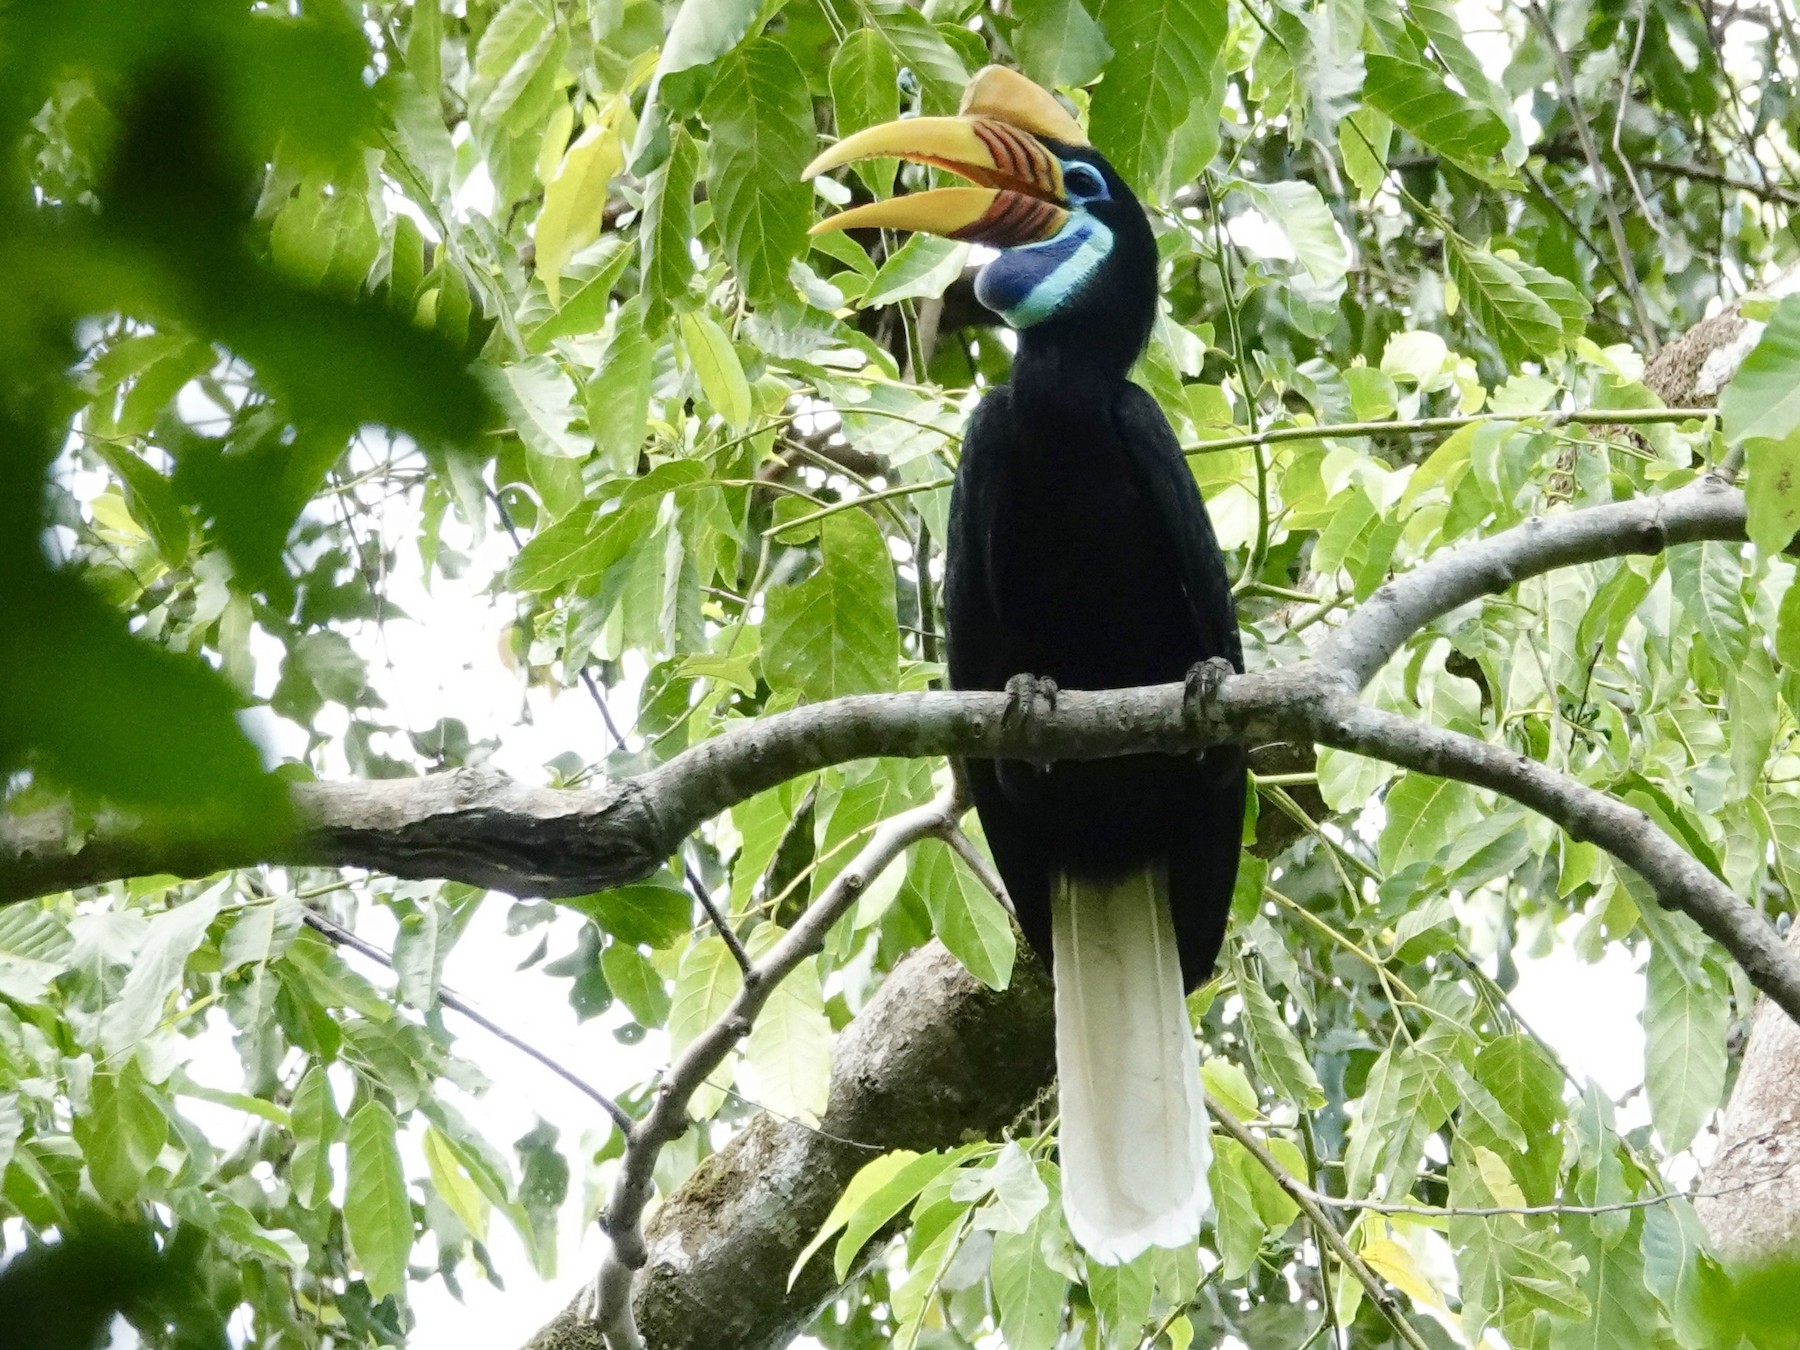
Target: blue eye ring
<point>1083,182</point>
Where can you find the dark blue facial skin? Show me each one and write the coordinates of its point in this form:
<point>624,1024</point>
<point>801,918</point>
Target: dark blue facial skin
<point>1084,299</point>
<point>1032,282</point>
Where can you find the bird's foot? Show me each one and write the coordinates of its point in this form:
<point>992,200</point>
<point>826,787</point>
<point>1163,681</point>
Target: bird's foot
<point>1201,687</point>
<point>1023,694</point>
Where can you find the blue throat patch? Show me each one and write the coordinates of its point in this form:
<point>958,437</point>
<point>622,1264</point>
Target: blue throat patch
<point>1027,284</point>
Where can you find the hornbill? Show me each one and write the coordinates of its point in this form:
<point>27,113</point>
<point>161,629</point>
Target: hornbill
<point>1079,551</point>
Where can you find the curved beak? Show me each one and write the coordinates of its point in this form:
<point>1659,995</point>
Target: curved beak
<point>1018,193</point>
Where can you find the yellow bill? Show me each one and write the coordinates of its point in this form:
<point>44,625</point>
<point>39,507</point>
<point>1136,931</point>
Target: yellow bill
<point>997,143</point>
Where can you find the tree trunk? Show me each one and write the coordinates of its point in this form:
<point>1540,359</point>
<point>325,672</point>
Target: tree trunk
<point>1750,1201</point>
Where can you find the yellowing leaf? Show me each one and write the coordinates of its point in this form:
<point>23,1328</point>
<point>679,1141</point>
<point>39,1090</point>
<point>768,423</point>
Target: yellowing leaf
<point>453,1185</point>
<point>1773,490</point>
<point>1395,1264</point>
<point>575,196</point>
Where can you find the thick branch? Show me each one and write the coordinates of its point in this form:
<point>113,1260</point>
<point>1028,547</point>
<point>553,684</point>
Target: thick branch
<point>1680,881</point>
<point>485,829</point>
<point>1751,1199</point>
<point>1706,509</point>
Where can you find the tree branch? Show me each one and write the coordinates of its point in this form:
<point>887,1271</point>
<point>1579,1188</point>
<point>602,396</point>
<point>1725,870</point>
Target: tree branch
<point>667,1120</point>
<point>479,826</point>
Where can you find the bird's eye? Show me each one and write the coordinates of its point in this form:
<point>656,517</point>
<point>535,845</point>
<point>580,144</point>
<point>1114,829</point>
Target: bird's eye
<point>1083,182</point>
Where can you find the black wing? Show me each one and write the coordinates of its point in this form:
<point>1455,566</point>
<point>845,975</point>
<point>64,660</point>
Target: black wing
<point>1154,453</point>
<point>978,655</point>
<point>1203,861</point>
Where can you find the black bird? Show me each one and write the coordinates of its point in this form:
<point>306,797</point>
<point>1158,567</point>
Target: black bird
<point>1080,556</point>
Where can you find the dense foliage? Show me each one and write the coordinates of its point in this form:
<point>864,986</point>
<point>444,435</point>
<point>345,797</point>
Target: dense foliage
<point>542,270</point>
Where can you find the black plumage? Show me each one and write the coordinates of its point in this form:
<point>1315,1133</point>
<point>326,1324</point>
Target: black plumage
<point>1080,551</point>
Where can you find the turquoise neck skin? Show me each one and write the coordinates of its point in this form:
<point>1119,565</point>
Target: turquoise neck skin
<point>1030,283</point>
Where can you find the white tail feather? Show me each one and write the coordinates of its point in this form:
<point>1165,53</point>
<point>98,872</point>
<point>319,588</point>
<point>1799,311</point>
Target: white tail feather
<point>1135,1144</point>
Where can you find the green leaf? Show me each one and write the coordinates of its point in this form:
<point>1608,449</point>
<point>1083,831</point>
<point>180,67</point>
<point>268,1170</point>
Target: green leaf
<point>1028,1291</point>
<point>666,233</point>
<point>575,196</point>
<point>865,92</point>
<point>420,948</point>
<point>716,364</point>
<point>1708,581</point>
<point>1163,60</point>
<point>1508,1271</point>
<point>1521,323</point>
<point>34,945</point>
<point>1685,1059</point>
<point>453,1184</point>
<point>939,69</point>
<point>636,983</point>
<point>1787,628</point>
<point>650,912</point>
<point>1008,1192</point>
<point>123,1132</point>
<point>1057,42</point>
<point>156,973</point>
<point>153,503</point>
<point>1300,212</point>
<point>539,401</point>
<point>1763,398</point>
<point>891,1191</point>
<point>762,137</point>
<point>1445,27</point>
<point>1275,1049</point>
<point>1674,1244</point>
<point>1773,490</point>
<point>967,919</point>
<point>1620,1308</point>
<point>377,1212</point>
<point>1423,815</point>
<point>314,1119</point>
<point>705,983</point>
<point>836,632</point>
<point>12,1126</point>
<point>95,705</point>
<point>1407,1096</point>
<point>1363,139</point>
<point>787,1055</point>
<point>879,1190</point>
<point>617,399</point>
<point>920,269</point>
<point>1122,1296</point>
<point>1239,1224</point>
<point>703,31</point>
<point>1418,101</point>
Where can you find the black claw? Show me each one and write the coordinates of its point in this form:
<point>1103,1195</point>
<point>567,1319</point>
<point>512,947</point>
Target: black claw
<point>1202,686</point>
<point>1022,695</point>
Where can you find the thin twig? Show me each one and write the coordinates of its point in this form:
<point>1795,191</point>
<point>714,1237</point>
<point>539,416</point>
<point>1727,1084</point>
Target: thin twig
<point>343,937</point>
<point>1625,82</point>
<point>1699,173</point>
<point>1306,1198</point>
<point>1602,183</point>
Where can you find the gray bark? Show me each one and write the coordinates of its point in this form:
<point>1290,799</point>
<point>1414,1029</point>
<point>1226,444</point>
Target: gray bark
<point>1750,1196</point>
